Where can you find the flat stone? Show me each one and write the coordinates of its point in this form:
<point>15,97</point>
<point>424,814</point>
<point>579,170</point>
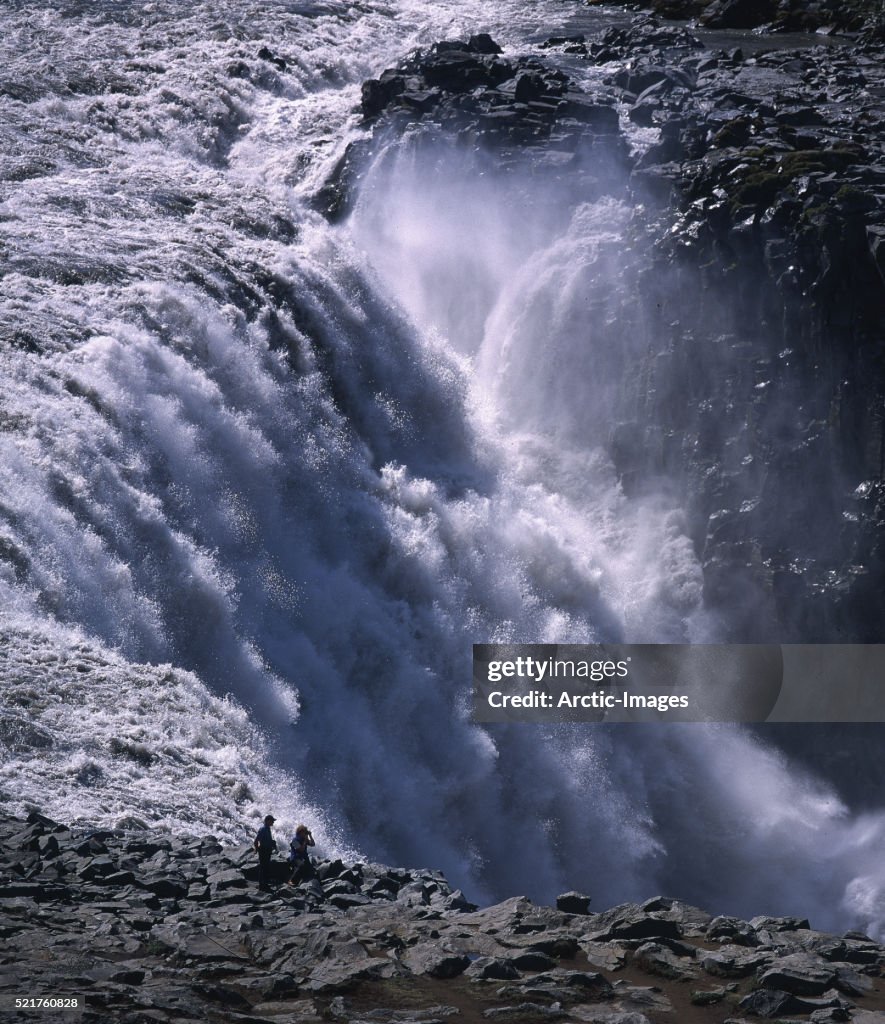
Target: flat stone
<point>851,982</point>
<point>603,1013</point>
<point>229,879</point>
<point>779,924</point>
<point>769,1002</point>
<point>337,974</point>
<point>431,959</point>
<point>166,888</point>
<point>734,962</point>
<point>344,901</point>
<point>641,997</point>
<point>492,968</point>
<point>213,945</point>
<point>532,960</point>
<point>302,1008</point>
<point>524,1010</point>
<point>799,974</point>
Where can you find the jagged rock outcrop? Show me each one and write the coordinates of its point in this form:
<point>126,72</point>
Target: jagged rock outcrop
<point>770,15</point>
<point>748,373</point>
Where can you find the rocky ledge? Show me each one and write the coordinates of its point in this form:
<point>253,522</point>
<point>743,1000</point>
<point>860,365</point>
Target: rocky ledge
<point>150,928</point>
<point>824,16</point>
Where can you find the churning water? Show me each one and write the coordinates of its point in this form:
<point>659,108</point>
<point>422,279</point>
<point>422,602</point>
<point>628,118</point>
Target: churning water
<point>264,480</point>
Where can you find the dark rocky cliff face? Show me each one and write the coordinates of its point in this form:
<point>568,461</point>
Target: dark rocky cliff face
<point>773,15</point>
<point>778,190</point>
<point>749,370</point>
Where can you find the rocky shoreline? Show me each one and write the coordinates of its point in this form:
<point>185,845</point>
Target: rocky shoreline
<point>745,372</point>
<point>149,928</point>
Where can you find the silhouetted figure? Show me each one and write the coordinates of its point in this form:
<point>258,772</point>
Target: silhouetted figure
<point>265,844</point>
<point>302,869</point>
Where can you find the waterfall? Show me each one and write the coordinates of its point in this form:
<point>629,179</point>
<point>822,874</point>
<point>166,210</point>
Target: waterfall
<point>264,480</point>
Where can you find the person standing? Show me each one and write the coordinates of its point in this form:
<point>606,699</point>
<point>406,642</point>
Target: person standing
<point>265,844</point>
<point>298,855</point>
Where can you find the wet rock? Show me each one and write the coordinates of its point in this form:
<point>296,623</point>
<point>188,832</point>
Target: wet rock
<point>482,42</point>
<point>267,55</point>
<point>602,118</point>
<point>19,734</point>
<point>377,93</point>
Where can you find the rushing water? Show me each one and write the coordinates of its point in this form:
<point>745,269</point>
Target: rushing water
<point>263,480</point>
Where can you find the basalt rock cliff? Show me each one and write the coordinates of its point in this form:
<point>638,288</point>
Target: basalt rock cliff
<point>746,362</point>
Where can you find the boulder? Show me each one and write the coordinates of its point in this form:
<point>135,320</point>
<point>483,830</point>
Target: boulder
<point>735,961</point>
<point>488,968</point>
<point>654,958</point>
<point>377,93</point>
<point>769,1002</point>
<point>573,903</point>
<point>169,887</point>
<point>635,923</point>
<point>532,960</point>
<point>739,13</point>
<point>335,975</point>
<point>482,42</point>
<point>799,974</point>
<point>226,879</point>
<point>436,961</point>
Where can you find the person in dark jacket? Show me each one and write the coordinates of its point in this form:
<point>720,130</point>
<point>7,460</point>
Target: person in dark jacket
<point>265,844</point>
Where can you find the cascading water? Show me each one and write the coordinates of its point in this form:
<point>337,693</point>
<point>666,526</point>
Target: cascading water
<point>304,467</point>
